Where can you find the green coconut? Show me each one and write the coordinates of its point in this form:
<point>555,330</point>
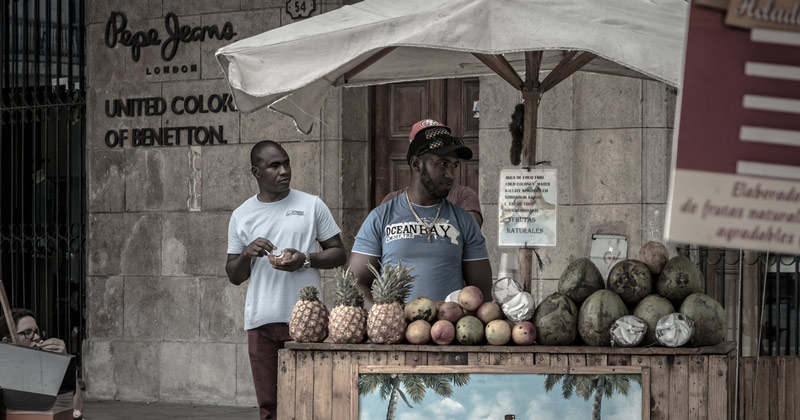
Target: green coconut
<point>555,320</point>
<point>597,313</point>
<point>679,278</point>
<point>709,319</point>
<point>631,280</point>
<point>650,310</point>
<point>580,279</point>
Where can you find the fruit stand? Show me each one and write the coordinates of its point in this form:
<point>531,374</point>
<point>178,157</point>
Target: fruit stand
<point>337,378</point>
<point>319,380</point>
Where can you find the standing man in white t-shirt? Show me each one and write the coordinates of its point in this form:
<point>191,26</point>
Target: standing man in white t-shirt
<point>292,221</point>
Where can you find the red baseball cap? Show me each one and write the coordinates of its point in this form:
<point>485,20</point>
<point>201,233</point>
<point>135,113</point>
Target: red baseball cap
<point>432,136</point>
<point>425,125</point>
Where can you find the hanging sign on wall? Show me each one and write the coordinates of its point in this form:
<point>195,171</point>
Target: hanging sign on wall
<point>118,34</point>
<point>736,172</point>
<point>300,9</point>
<point>190,135</point>
<point>164,54</point>
<point>527,207</point>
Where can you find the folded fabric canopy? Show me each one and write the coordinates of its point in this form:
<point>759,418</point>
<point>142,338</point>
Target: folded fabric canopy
<point>293,67</point>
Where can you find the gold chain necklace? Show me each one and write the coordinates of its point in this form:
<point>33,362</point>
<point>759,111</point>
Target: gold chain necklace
<point>427,226</point>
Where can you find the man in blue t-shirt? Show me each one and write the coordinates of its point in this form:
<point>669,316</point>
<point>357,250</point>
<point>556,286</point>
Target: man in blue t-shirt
<point>421,228</point>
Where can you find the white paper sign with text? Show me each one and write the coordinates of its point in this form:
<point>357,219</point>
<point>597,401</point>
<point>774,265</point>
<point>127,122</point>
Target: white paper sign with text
<point>527,207</point>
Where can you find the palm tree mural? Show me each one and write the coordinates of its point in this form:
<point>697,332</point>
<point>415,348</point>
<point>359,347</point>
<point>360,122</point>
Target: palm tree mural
<point>586,386</point>
<point>389,386</point>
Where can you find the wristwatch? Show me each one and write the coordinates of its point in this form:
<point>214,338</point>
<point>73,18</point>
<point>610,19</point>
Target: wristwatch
<point>307,262</point>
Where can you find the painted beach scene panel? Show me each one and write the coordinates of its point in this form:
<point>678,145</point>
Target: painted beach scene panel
<point>492,396</point>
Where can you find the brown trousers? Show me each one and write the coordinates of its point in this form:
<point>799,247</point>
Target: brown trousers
<point>263,344</point>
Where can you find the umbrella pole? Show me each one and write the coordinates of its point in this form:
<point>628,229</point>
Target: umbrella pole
<point>531,94</point>
<point>532,91</point>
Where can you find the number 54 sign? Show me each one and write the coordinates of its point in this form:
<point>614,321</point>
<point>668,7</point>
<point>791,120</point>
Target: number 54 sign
<point>299,9</point>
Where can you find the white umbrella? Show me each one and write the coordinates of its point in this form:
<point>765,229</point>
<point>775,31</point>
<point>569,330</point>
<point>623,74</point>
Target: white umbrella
<point>292,68</point>
<point>384,41</point>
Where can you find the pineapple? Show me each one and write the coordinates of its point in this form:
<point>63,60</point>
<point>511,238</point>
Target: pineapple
<point>348,317</point>
<point>386,323</point>
<point>309,320</point>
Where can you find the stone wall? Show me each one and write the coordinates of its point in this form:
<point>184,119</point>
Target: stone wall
<point>163,322</point>
<point>610,139</point>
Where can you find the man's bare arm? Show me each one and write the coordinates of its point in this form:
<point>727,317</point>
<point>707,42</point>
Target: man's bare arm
<point>478,273</point>
<point>358,266</point>
<point>238,265</point>
<point>237,268</point>
<point>332,255</point>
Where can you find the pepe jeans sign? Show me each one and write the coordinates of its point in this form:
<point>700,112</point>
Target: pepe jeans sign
<point>117,32</point>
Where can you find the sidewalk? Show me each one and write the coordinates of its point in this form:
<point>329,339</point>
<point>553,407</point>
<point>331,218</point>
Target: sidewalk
<point>120,410</point>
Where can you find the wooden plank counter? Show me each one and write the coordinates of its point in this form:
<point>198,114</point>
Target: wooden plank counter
<point>317,380</point>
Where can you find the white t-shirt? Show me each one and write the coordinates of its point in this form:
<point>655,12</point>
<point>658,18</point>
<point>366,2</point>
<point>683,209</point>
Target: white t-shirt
<point>298,221</point>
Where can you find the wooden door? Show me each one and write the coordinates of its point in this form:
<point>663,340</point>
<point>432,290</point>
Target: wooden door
<point>398,106</point>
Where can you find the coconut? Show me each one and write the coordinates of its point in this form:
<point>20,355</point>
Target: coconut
<point>654,255</point>
<point>679,278</point>
<point>708,316</point>
<point>498,332</point>
<point>596,315</point>
<point>469,330</point>
<point>650,310</point>
<point>555,320</point>
<point>630,279</point>
<point>276,257</point>
<point>628,331</point>
<point>580,279</point>
<point>421,308</point>
<point>520,307</point>
<point>674,330</point>
<point>504,289</point>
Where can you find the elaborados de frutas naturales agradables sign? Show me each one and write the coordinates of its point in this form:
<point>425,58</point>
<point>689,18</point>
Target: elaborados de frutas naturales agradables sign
<point>117,32</point>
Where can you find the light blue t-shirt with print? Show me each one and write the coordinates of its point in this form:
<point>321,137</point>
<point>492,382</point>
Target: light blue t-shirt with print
<point>392,233</point>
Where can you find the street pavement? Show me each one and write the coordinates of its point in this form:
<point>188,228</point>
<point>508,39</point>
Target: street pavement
<point>120,410</point>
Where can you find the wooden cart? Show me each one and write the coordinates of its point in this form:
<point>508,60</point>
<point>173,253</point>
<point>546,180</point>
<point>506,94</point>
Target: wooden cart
<point>318,380</point>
